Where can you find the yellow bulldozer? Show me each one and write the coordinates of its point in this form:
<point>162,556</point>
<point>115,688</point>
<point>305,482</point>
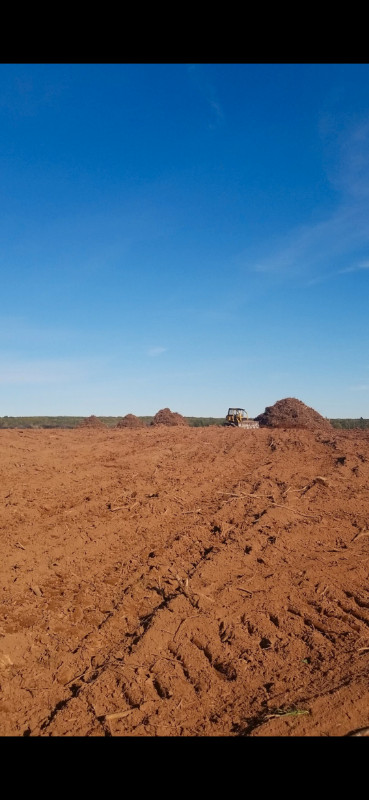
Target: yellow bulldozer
<point>239,418</point>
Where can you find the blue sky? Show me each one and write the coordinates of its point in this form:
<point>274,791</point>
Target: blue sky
<point>185,235</point>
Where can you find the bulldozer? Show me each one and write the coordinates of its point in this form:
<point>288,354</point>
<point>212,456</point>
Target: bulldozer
<point>239,418</point>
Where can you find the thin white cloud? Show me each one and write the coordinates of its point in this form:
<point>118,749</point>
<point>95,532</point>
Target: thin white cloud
<point>208,91</point>
<point>352,172</point>
<point>363,387</point>
<point>312,247</point>
<point>219,116</point>
<point>328,275</point>
<point>321,250</point>
<point>355,268</point>
<point>156,351</point>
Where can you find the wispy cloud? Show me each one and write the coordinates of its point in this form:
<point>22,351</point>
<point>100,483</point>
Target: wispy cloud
<point>321,250</point>
<point>208,92</point>
<point>311,248</point>
<point>156,351</point>
<point>333,274</point>
<point>355,267</point>
<point>352,172</point>
<point>362,387</point>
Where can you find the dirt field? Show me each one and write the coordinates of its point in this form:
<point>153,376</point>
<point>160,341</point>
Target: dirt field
<point>184,582</point>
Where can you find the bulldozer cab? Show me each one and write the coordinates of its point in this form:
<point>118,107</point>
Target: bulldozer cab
<point>237,413</point>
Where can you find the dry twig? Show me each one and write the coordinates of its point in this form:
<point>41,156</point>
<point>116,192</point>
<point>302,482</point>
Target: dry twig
<point>359,535</point>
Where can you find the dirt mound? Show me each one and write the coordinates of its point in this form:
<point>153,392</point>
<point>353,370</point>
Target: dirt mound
<point>91,422</point>
<point>130,421</point>
<point>167,417</point>
<point>292,413</point>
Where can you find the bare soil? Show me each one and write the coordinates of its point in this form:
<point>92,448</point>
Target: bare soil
<point>177,581</point>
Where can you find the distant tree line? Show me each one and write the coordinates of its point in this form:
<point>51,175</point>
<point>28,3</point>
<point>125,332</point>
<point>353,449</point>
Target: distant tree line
<point>111,422</point>
<point>346,424</point>
<point>73,422</point>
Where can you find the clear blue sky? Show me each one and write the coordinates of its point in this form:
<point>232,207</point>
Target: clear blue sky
<point>191,236</point>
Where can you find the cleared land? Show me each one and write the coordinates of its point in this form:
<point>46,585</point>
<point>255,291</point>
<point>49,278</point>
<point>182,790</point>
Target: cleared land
<point>184,581</point>
<point>111,422</point>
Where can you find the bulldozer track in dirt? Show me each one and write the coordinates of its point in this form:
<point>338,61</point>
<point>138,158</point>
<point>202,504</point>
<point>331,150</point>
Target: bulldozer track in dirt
<point>162,621</point>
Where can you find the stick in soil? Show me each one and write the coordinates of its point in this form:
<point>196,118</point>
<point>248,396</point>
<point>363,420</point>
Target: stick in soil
<point>184,590</point>
<point>278,505</point>
<point>193,616</point>
<point>119,714</point>
<point>288,713</point>
<point>359,535</point>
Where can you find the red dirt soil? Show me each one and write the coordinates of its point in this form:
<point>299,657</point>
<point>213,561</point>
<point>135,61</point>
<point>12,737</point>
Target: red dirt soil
<point>130,421</point>
<point>292,413</point>
<point>184,582</point>
<point>91,422</point>
<point>167,417</point>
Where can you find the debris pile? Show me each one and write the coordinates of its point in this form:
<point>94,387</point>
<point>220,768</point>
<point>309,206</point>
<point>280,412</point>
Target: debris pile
<point>130,421</point>
<point>292,413</point>
<point>91,422</point>
<point>167,417</point>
